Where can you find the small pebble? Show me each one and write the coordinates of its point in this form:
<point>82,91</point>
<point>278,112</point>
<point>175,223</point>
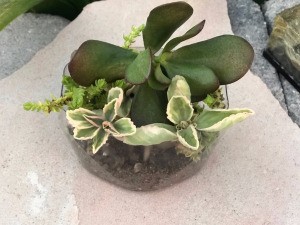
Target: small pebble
<point>137,167</point>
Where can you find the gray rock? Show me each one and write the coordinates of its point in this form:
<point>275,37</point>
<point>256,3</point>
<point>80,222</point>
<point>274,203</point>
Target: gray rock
<point>248,22</point>
<point>293,100</point>
<point>272,7</point>
<point>284,41</point>
<point>20,40</point>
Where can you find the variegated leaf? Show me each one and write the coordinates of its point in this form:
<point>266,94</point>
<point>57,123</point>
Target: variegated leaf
<point>179,109</point>
<point>76,117</point>
<point>124,110</point>
<point>85,133</point>
<point>115,93</point>
<point>110,110</point>
<point>152,134</point>
<point>219,119</point>
<point>99,140</point>
<point>123,127</point>
<point>179,87</point>
<point>188,137</point>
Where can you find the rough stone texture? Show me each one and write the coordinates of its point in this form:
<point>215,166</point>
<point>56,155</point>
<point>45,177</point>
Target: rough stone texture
<point>20,40</point>
<point>247,21</point>
<point>252,177</point>
<point>272,7</point>
<point>284,41</point>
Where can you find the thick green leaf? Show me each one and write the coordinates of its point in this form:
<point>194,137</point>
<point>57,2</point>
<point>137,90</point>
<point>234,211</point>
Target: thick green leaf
<point>155,84</point>
<point>85,133</point>
<point>110,110</point>
<point>179,87</point>
<point>148,106</point>
<point>228,56</point>
<point>219,119</point>
<point>99,140</point>
<point>139,70</point>
<point>123,127</point>
<point>201,79</point>
<point>188,137</point>
<point>189,34</point>
<point>163,21</point>
<point>160,76</point>
<point>10,9</point>
<point>99,60</point>
<point>179,109</point>
<point>152,134</point>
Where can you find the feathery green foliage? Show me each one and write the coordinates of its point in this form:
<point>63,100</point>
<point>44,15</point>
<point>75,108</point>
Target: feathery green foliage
<point>130,38</point>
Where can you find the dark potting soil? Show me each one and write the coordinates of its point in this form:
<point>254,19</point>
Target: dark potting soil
<point>126,166</point>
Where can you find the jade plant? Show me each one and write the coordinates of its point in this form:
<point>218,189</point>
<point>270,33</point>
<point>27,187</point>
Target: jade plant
<point>152,96</point>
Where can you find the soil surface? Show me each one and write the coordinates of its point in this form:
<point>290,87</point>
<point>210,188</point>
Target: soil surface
<point>136,168</point>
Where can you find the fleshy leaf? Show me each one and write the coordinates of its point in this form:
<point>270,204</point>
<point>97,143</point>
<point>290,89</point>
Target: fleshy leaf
<point>99,140</point>
<point>99,60</point>
<point>200,78</point>
<point>219,119</point>
<point>163,21</point>
<point>155,84</point>
<point>76,117</point>
<point>148,106</point>
<point>160,76</point>
<point>179,109</point>
<point>85,133</point>
<point>110,110</point>
<point>179,87</point>
<point>189,34</point>
<point>123,127</point>
<point>228,56</point>
<point>188,137</point>
<point>152,134</point>
<point>139,70</point>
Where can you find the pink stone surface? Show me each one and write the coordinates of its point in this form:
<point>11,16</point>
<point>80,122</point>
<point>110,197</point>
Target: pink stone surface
<point>253,176</point>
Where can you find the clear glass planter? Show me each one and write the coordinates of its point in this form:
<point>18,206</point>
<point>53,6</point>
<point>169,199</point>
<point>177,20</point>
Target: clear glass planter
<point>138,168</point>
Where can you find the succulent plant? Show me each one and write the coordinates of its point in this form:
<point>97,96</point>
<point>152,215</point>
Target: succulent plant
<point>153,94</point>
<point>205,65</point>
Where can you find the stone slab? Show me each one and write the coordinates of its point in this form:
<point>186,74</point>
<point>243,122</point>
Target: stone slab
<point>252,177</point>
<point>247,21</point>
<point>21,39</point>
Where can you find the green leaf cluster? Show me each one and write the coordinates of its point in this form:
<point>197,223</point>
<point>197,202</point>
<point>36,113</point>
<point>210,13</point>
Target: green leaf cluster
<point>98,125</point>
<point>76,96</point>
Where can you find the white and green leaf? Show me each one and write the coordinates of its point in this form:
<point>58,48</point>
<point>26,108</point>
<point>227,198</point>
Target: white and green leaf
<point>115,93</point>
<point>85,133</point>
<point>219,119</point>
<point>152,134</point>
<point>110,110</point>
<point>99,140</point>
<point>179,87</point>
<point>124,109</point>
<point>77,117</point>
<point>123,127</point>
<point>179,109</point>
<point>188,137</point>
